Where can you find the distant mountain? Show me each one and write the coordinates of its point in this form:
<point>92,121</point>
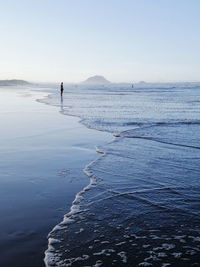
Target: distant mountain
<point>13,82</point>
<point>96,80</point>
<point>142,82</point>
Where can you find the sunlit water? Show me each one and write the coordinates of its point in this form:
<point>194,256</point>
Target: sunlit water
<point>142,206</point>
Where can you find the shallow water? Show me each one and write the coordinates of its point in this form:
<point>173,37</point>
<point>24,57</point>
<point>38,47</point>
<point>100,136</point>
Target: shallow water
<point>116,109</point>
<point>142,205</point>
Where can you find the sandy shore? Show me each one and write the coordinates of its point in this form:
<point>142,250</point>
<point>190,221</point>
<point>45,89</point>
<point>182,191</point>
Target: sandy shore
<point>42,157</point>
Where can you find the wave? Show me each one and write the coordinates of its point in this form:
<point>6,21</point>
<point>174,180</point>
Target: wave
<point>116,210</point>
<point>116,109</point>
<point>142,203</point>
<point>185,134</point>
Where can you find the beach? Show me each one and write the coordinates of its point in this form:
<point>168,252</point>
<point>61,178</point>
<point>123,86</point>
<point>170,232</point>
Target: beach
<point>99,133</point>
<point>136,201</point>
<point>43,154</point>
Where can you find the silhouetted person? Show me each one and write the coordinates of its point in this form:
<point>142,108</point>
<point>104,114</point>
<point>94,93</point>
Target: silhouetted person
<point>61,89</point>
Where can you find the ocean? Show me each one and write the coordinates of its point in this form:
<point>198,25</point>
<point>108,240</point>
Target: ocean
<point>141,206</point>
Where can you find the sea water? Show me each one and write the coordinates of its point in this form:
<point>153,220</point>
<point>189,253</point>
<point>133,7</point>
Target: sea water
<point>141,207</point>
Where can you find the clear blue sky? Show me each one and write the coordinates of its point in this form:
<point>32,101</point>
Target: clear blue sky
<point>124,40</point>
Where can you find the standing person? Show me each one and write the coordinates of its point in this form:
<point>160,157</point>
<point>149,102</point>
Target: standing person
<point>61,89</point>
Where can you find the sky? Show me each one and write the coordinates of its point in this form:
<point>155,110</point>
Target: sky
<point>123,40</point>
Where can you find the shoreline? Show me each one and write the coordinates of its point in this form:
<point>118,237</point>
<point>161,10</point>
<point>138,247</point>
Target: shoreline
<point>92,181</point>
<point>59,147</point>
<point>74,209</point>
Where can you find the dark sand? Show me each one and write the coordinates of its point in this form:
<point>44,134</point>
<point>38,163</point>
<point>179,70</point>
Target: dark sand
<point>41,160</point>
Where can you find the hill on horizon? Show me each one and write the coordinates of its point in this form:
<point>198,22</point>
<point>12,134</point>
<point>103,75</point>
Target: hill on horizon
<point>97,79</point>
<point>13,82</point>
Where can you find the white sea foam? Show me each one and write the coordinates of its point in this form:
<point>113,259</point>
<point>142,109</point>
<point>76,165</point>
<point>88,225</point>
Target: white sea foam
<point>123,256</point>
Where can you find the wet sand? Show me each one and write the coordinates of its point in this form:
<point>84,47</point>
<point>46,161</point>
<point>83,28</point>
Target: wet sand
<point>42,157</point>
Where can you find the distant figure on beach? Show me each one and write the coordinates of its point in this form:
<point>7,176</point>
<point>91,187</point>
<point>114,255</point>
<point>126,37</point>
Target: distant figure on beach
<point>61,89</point>
<point>132,85</point>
